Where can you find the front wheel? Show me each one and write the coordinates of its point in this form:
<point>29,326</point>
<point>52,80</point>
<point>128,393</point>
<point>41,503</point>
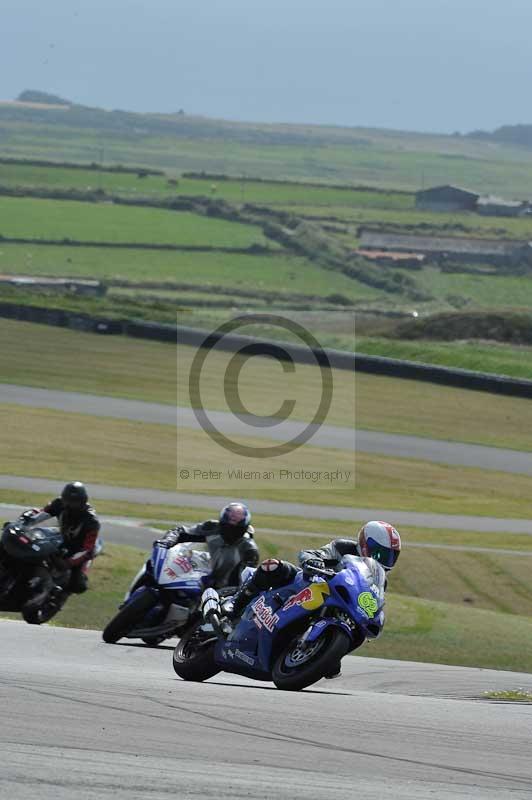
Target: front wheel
<point>37,611</point>
<point>299,666</point>
<point>194,655</point>
<point>128,616</point>
<point>39,614</point>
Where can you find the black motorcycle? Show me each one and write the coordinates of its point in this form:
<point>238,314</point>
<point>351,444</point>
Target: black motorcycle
<point>33,576</point>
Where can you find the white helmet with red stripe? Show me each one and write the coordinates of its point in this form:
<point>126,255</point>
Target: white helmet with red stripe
<point>380,540</point>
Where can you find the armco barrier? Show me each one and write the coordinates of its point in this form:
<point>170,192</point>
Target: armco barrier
<point>338,359</point>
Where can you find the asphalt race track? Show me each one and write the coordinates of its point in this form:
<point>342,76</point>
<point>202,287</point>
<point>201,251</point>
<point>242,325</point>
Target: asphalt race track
<point>460,522</point>
<point>140,533</point>
<point>81,719</point>
<point>330,436</point>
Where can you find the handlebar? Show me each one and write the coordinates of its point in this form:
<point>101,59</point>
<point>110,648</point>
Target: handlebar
<point>323,573</point>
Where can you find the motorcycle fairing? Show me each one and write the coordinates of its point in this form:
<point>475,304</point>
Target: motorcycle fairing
<point>357,591</point>
<point>179,567</point>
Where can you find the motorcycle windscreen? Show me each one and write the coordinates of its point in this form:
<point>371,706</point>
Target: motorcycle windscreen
<point>180,568</point>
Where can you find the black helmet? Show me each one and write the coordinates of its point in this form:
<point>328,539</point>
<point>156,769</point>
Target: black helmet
<point>74,496</point>
<point>234,521</point>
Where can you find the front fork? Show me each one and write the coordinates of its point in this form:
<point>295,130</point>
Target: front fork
<point>317,628</point>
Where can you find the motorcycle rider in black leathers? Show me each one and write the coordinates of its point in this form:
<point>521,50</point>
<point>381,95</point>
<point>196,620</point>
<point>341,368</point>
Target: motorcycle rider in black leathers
<point>79,527</point>
<point>229,541</point>
<point>377,540</point>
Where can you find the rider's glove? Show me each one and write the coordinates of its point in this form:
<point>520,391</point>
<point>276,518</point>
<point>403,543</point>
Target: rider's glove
<point>313,566</point>
<point>27,516</point>
<point>169,540</point>
<point>164,543</point>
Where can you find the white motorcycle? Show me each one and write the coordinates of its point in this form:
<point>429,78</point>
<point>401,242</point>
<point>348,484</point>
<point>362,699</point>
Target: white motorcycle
<point>164,597</point>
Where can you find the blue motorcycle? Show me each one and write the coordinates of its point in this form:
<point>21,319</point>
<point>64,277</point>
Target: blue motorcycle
<point>164,597</point>
<point>294,635</point>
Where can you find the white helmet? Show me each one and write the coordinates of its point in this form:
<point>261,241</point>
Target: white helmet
<point>380,540</point>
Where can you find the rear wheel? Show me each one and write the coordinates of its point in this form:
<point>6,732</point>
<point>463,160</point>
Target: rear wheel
<point>300,665</point>
<point>194,655</point>
<point>128,616</point>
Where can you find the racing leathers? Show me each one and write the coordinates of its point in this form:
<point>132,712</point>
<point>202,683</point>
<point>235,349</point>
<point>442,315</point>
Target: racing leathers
<point>228,559</point>
<point>273,573</point>
<point>80,529</point>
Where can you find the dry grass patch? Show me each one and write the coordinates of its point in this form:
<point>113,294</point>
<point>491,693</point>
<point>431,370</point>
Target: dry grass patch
<point>125,453</point>
<point>38,355</point>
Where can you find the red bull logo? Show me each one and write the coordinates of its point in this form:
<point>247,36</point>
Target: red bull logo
<point>309,598</point>
<point>264,615</point>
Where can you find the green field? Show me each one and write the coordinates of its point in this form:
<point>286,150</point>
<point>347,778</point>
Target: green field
<point>280,272</point>
<point>235,191</point>
<point>62,219</point>
<point>477,291</point>
<point>465,223</point>
<point>284,272</point>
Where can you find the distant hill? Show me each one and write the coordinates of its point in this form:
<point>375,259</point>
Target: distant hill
<point>520,135</point>
<point>40,125</point>
<point>39,107</point>
<point>34,96</point>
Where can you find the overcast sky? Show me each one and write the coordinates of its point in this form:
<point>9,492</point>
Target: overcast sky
<point>430,65</point>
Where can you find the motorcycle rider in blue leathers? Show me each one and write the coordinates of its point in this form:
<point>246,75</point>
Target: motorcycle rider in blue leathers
<point>377,540</point>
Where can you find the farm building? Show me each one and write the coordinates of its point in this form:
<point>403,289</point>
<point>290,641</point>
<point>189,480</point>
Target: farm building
<point>391,258</point>
<point>501,252</point>
<point>497,207</point>
<point>446,198</point>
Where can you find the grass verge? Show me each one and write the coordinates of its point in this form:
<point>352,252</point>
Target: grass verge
<point>510,696</point>
<point>422,630</point>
